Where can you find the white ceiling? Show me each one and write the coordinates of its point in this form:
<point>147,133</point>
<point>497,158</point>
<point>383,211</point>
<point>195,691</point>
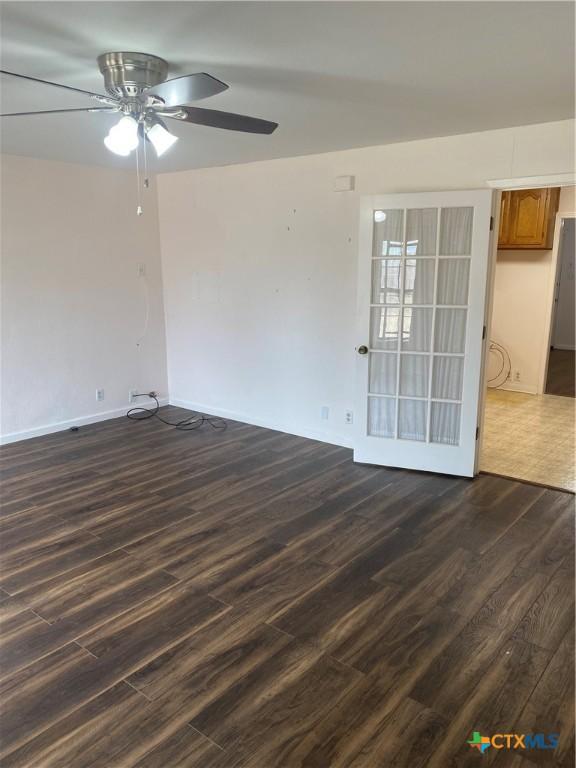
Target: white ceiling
<point>333,74</point>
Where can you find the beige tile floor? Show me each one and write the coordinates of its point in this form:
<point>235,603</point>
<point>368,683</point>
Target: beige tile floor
<point>530,437</point>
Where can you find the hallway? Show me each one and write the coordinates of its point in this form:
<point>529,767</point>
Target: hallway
<point>561,373</point>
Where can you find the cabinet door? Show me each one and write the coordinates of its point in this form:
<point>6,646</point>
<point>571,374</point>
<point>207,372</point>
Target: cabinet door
<point>528,217</point>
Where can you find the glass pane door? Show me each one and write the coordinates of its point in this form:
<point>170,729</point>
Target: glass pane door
<point>419,307</point>
<point>422,260</point>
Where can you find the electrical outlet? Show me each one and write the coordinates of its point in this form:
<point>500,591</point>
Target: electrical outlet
<point>516,374</point>
<point>141,270</point>
<point>132,395</point>
<point>349,417</point>
<point>99,395</point>
<point>325,413</point>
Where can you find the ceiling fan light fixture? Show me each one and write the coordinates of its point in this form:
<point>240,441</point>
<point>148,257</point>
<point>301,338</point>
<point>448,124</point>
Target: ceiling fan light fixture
<point>123,137</point>
<point>160,138</point>
<point>113,146</point>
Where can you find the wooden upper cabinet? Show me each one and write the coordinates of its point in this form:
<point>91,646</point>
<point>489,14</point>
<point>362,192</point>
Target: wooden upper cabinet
<point>527,218</point>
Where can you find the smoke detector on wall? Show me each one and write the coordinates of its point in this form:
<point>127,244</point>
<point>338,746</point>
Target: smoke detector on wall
<point>138,90</point>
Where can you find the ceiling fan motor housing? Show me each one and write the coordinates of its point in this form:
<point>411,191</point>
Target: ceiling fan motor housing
<point>127,75</point>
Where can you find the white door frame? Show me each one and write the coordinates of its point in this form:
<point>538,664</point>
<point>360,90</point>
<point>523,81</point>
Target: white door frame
<point>488,307</point>
<point>519,182</point>
<point>534,182</point>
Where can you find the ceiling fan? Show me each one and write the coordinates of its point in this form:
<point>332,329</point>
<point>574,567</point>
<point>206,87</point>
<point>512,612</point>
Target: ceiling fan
<point>139,91</point>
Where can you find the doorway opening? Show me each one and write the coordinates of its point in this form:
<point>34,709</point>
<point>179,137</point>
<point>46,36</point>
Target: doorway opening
<point>529,410</point>
<point>560,372</point>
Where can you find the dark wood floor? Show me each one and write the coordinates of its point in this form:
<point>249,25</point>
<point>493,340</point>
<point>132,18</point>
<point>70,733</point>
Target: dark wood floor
<point>252,599</point>
<point>561,373</point>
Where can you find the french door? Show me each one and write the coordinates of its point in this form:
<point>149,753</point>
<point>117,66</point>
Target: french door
<point>421,303</point>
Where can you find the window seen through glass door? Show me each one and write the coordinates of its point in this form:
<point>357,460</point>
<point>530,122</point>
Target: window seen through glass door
<point>418,314</point>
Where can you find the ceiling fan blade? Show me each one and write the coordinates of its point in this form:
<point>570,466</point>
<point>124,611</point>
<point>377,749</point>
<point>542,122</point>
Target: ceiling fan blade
<point>97,96</point>
<point>227,120</point>
<point>183,90</point>
<point>60,111</point>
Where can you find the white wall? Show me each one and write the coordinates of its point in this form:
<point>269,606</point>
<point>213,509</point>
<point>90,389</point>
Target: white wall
<point>522,293</point>
<point>73,307</point>
<point>519,316</point>
<point>259,267</point>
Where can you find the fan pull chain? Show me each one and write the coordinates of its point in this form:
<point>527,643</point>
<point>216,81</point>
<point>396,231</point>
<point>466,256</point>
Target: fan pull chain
<point>146,181</point>
<point>145,149</point>
<point>139,209</point>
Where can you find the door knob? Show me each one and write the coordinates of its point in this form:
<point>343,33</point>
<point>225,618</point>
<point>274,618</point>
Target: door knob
<point>363,350</point>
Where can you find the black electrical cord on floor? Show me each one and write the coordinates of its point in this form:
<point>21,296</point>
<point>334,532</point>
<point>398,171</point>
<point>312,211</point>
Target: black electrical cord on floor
<point>185,425</point>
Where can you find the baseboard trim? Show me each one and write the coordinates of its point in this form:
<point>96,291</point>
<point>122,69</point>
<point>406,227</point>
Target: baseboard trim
<point>248,418</point>
<point>94,418</point>
<point>525,390</point>
<point>60,426</point>
<point>564,347</point>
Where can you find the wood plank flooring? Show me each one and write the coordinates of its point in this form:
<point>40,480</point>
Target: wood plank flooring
<point>250,599</point>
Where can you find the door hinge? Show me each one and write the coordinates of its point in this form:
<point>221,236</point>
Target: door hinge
<point>491,223</point>
<point>483,333</point>
<point>477,432</point>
